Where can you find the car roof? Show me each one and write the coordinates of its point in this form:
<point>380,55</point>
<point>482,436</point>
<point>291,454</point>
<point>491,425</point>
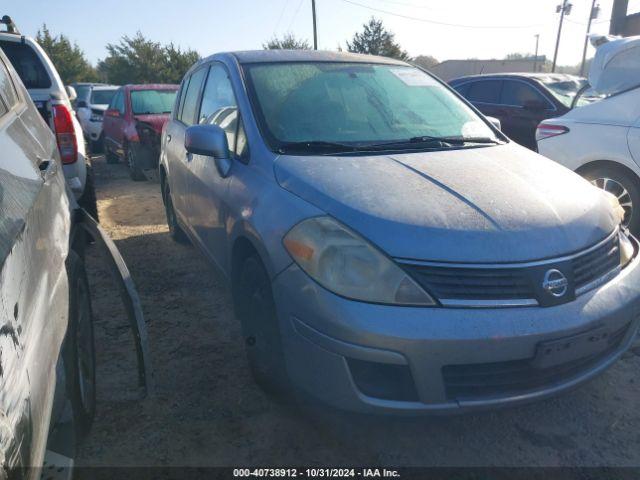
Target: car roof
<point>522,75</point>
<point>282,56</point>
<point>152,86</point>
<point>104,87</point>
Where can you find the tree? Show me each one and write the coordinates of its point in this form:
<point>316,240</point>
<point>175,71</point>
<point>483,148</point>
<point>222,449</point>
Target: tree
<point>288,42</point>
<point>376,40</point>
<point>425,61</point>
<point>519,56</point>
<point>140,60</point>
<point>68,58</point>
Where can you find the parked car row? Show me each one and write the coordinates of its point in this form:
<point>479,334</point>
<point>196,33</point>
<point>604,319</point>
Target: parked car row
<point>388,248</point>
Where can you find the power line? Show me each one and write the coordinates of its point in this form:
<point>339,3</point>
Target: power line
<point>284,7</point>
<point>295,15</point>
<point>436,22</point>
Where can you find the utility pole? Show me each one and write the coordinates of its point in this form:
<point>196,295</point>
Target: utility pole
<point>535,57</point>
<point>593,14</point>
<point>315,31</point>
<point>564,9</point>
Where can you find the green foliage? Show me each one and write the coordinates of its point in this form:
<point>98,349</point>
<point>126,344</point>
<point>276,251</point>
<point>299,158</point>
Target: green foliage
<point>68,58</point>
<point>425,61</point>
<point>376,40</point>
<point>288,42</point>
<point>140,60</point>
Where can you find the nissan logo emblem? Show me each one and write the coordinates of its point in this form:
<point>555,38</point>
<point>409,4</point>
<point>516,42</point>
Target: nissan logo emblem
<point>555,283</point>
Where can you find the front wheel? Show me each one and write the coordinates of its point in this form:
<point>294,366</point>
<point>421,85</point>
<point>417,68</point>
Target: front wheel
<point>255,308</point>
<point>175,230</point>
<point>135,171</point>
<point>79,349</point>
<point>624,186</point>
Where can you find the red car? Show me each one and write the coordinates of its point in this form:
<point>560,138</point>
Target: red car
<point>133,124</point>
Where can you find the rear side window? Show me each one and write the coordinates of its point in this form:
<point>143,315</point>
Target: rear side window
<point>7,88</point>
<point>27,63</point>
<point>485,91</point>
<point>190,106</point>
<point>462,89</point>
<point>520,94</point>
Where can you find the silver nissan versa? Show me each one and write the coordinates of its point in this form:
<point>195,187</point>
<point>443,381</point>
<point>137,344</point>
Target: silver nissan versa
<point>389,250</point>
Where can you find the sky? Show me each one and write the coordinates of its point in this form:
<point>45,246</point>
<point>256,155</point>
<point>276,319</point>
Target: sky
<point>445,29</point>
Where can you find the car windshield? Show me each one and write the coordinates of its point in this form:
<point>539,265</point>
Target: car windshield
<point>147,102</point>
<point>102,97</point>
<point>357,104</point>
<point>566,90</point>
<point>27,63</point>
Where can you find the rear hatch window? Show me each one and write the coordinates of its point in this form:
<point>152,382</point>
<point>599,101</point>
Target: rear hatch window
<point>27,63</point>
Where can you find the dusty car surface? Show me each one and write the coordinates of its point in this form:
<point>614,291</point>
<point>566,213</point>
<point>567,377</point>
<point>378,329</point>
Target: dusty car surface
<point>388,249</point>
<point>133,123</point>
<point>46,334</point>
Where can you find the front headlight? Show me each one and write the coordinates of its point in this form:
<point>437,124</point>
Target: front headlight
<point>346,264</point>
<point>627,250</point>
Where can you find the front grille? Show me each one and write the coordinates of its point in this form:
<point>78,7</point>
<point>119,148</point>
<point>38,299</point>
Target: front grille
<point>475,283</point>
<point>499,379</point>
<point>515,284</point>
<point>592,265</point>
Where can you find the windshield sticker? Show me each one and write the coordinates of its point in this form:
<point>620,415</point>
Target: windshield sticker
<point>414,78</point>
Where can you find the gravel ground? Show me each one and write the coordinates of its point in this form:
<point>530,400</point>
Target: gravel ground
<point>208,412</point>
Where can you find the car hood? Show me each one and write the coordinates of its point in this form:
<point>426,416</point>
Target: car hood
<point>491,204</point>
<point>155,121</point>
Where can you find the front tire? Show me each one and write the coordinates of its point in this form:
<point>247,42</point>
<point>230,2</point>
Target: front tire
<point>623,185</point>
<point>135,172</point>
<point>255,308</point>
<point>79,348</point>
<point>175,230</point>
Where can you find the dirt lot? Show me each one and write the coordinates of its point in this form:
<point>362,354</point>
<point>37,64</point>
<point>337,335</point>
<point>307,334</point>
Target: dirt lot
<point>207,411</point>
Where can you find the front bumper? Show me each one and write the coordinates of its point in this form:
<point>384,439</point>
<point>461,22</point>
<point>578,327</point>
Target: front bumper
<point>331,342</point>
<point>93,130</point>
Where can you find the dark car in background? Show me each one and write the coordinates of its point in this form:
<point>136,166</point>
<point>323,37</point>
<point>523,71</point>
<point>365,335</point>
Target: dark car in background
<point>133,123</point>
<point>521,100</point>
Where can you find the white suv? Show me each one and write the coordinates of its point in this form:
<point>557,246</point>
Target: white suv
<point>53,101</point>
<point>90,109</point>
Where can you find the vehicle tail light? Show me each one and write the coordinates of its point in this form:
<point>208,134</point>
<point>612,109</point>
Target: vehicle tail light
<point>545,130</point>
<point>65,134</point>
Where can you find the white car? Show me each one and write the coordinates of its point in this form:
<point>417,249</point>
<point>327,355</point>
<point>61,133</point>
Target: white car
<point>601,140</point>
<point>53,101</point>
<point>90,109</point>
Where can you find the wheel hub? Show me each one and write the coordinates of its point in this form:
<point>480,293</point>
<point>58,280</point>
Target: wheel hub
<point>617,189</point>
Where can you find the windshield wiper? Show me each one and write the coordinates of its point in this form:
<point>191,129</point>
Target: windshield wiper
<point>442,142</point>
<point>316,145</point>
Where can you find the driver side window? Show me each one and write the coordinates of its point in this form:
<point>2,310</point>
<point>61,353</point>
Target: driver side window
<point>219,107</point>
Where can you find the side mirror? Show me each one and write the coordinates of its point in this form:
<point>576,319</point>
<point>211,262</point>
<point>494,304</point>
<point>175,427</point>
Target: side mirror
<point>210,141</point>
<point>71,93</point>
<point>82,104</point>
<point>112,112</point>
<point>495,122</point>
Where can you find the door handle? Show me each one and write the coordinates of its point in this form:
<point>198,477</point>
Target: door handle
<point>48,168</point>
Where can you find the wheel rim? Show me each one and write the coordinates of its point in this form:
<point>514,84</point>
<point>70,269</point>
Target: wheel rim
<point>617,189</point>
<point>85,354</point>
